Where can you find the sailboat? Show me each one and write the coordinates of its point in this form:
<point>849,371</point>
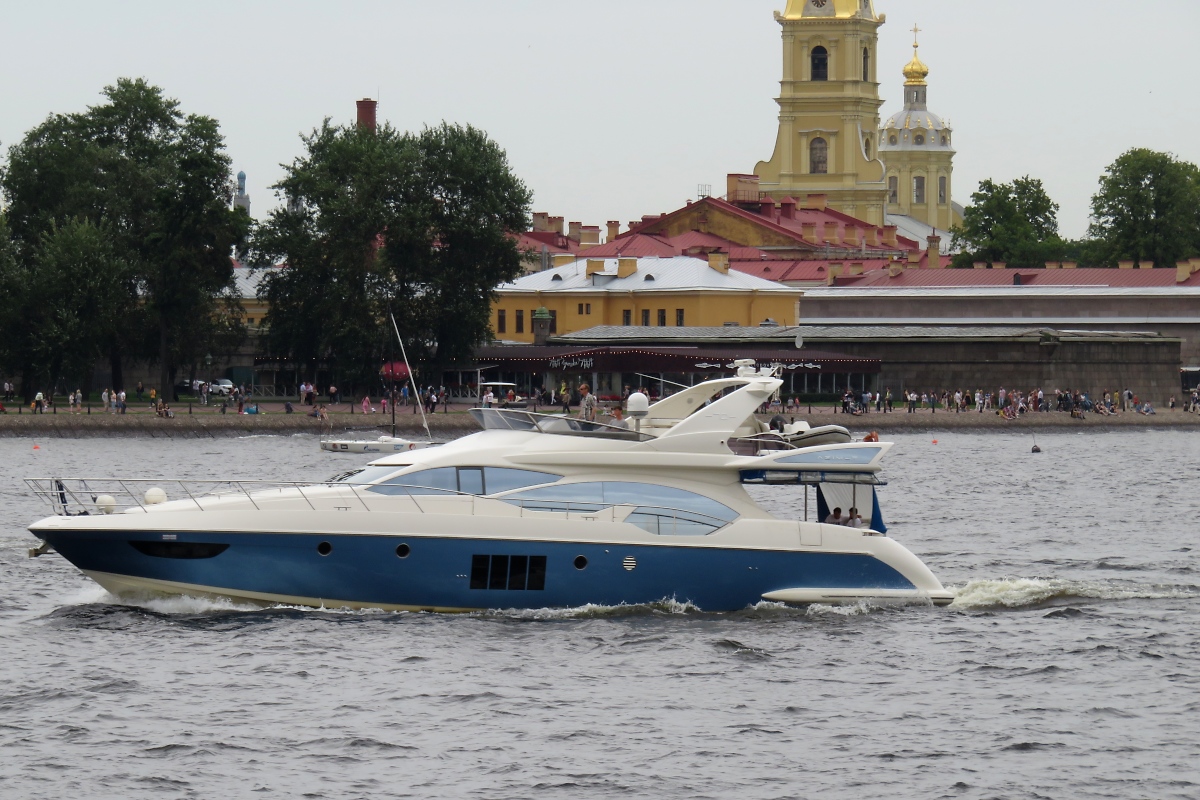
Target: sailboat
<point>392,443</point>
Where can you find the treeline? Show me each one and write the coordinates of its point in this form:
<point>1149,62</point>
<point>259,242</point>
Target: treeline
<point>118,233</point>
<point>115,242</point>
<point>1147,210</point>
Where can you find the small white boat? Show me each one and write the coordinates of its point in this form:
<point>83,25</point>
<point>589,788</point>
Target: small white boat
<point>384,444</point>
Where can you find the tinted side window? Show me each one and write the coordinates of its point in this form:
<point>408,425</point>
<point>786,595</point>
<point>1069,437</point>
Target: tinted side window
<point>660,509</point>
<point>502,479</point>
<point>440,480</point>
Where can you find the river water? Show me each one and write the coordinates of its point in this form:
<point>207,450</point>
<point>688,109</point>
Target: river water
<point>1067,666</point>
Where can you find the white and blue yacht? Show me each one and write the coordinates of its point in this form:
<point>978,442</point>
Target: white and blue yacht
<point>532,511</point>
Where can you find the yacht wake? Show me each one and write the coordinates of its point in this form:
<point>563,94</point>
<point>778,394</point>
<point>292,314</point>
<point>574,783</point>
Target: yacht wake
<point>1026,592</point>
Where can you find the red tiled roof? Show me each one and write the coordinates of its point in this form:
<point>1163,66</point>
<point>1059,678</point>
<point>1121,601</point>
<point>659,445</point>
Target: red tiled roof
<point>809,271</point>
<point>639,245</point>
<point>556,242</point>
<point>790,227</point>
<point>1119,278</point>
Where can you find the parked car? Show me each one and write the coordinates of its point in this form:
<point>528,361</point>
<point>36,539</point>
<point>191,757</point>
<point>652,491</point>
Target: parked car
<point>221,386</point>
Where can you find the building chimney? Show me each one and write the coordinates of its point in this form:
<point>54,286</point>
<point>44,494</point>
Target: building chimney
<point>614,229</point>
<point>766,207</point>
<point>816,202</point>
<point>590,236</point>
<point>626,267</point>
<point>809,231</point>
<point>541,221</point>
<point>787,208</point>
<point>895,269</point>
<point>562,259</point>
<point>1125,265</point>
<point>555,225</point>
<point>979,265</point>
<point>934,251</point>
<point>872,237</point>
<point>889,236</point>
<point>366,113</point>
<point>575,230</point>
<point>999,265</point>
<point>719,262</point>
<point>1069,265</point>
<point>828,232</point>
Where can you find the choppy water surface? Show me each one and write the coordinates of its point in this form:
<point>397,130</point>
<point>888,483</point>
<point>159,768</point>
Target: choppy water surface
<point>1066,668</point>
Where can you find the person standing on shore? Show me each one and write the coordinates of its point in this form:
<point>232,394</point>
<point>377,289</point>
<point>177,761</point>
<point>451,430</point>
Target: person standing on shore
<point>587,403</point>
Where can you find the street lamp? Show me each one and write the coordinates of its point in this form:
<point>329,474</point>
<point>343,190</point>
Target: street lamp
<point>208,361</point>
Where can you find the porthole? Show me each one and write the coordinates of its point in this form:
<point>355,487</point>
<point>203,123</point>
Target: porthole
<point>402,550</point>
<point>580,562</point>
<point>324,548</point>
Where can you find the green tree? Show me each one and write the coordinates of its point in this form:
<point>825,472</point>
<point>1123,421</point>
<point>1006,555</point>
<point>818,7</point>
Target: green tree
<point>156,185</point>
<point>1148,209</point>
<point>1015,223</point>
<point>419,224</point>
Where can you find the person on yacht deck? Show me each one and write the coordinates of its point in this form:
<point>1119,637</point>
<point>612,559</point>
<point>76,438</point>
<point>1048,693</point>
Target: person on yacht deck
<point>855,519</point>
<point>836,517</point>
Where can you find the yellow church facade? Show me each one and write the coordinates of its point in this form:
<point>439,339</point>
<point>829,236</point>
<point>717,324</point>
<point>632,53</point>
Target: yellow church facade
<point>831,139</point>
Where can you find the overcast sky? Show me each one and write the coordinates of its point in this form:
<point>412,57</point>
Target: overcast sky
<point>615,109</point>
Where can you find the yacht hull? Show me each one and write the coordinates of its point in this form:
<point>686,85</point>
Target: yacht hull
<point>405,572</point>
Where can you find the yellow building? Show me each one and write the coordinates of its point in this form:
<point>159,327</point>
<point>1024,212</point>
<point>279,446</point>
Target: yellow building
<point>650,292</point>
<point>918,148</point>
<point>829,108</point>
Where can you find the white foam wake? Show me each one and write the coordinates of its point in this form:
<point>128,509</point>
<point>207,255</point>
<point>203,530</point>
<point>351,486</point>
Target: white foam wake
<point>1019,592</point>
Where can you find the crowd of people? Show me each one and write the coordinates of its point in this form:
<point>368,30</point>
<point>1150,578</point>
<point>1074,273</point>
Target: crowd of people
<point>1008,403</point>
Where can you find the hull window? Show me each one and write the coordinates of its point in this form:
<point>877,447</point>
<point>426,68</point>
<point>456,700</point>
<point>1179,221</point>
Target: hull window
<point>179,549</point>
<point>512,573</point>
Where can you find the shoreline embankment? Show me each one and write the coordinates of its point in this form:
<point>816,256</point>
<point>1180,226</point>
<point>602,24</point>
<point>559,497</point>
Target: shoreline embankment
<point>207,424</point>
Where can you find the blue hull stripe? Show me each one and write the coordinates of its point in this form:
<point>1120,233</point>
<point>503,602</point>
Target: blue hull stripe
<point>437,571</point>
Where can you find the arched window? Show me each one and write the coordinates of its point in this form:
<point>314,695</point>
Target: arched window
<point>893,189</point>
<point>866,64</point>
<point>820,64</point>
<point>942,190</point>
<point>945,140</point>
<point>919,189</point>
<point>867,146</point>
<point>919,139</point>
<point>892,139</point>
<point>818,156</point>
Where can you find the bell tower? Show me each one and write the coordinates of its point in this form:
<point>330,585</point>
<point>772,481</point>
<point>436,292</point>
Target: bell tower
<point>829,108</point>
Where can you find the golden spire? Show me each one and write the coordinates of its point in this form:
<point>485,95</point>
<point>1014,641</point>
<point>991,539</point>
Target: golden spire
<point>916,72</point>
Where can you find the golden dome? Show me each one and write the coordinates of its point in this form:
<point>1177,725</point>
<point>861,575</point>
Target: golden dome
<point>916,72</point>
